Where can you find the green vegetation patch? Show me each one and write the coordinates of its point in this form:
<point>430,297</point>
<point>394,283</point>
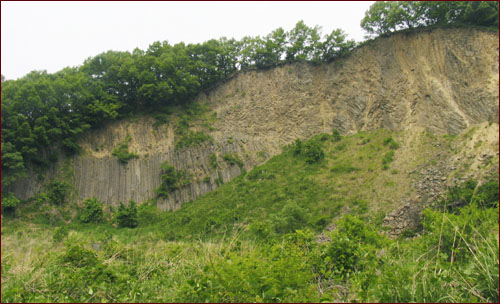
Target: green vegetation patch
<point>121,151</point>
<point>265,236</point>
<point>233,159</point>
<point>171,179</point>
<point>310,151</point>
<point>9,203</point>
<point>126,216</point>
<point>452,255</point>
<point>92,211</point>
<point>192,138</point>
<point>213,161</point>
<point>58,192</point>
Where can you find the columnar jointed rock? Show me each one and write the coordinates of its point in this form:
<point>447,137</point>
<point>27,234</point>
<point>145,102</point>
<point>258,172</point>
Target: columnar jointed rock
<point>443,80</point>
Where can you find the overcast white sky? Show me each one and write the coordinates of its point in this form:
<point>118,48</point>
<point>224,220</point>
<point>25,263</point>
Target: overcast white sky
<point>53,35</point>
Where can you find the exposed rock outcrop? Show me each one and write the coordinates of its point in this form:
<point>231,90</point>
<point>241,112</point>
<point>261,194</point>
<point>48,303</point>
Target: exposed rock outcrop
<point>443,80</point>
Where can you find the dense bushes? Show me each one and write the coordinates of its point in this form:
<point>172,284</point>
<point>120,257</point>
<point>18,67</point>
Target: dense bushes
<point>311,151</point>
<point>352,249</point>
<point>126,216</point>
<point>92,211</point>
<point>57,192</point>
<point>274,273</point>
<point>81,276</point>
<point>487,194</point>
<point>9,203</point>
<point>290,218</point>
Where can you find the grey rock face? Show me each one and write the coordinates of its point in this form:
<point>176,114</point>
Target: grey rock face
<point>443,80</point>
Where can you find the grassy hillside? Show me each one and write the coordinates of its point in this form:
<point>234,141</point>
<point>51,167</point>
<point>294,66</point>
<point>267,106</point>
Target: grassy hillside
<point>304,227</point>
<point>294,190</point>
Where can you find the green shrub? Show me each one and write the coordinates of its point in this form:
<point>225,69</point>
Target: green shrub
<point>70,146</point>
<point>80,277</point>
<point>487,194</point>
<point>336,135</point>
<point>127,216</point>
<point>311,151</point>
<point>278,273</point>
<point>211,224</point>
<point>290,218</point>
<point>148,213</point>
<point>320,222</point>
<point>9,203</point>
<point>260,174</point>
<point>262,230</point>
<point>57,192</point>
<point>389,141</point>
<point>340,147</point>
<point>213,161</point>
<point>233,159</point>
<point>297,147</point>
<point>387,159</point>
<point>351,249</point>
<point>160,119</point>
<point>78,256</point>
<point>60,233</point>
<point>322,137</point>
<point>455,259</point>
<point>121,151</point>
<point>171,179</point>
<point>92,211</point>
<point>460,195</point>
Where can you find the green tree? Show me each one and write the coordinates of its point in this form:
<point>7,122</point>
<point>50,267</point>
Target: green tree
<point>57,192</point>
<point>302,40</point>
<point>12,164</point>
<point>388,16</point>
<point>336,45</point>
<point>270,50</point>
<point>127,216</point>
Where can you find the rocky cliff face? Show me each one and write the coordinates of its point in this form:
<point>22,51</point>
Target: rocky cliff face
<point>443,80</point>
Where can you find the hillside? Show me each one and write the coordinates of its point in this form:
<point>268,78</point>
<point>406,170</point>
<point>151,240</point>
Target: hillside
<point>294,167</point>
<point>443,81</point>
<point>309,225</point>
